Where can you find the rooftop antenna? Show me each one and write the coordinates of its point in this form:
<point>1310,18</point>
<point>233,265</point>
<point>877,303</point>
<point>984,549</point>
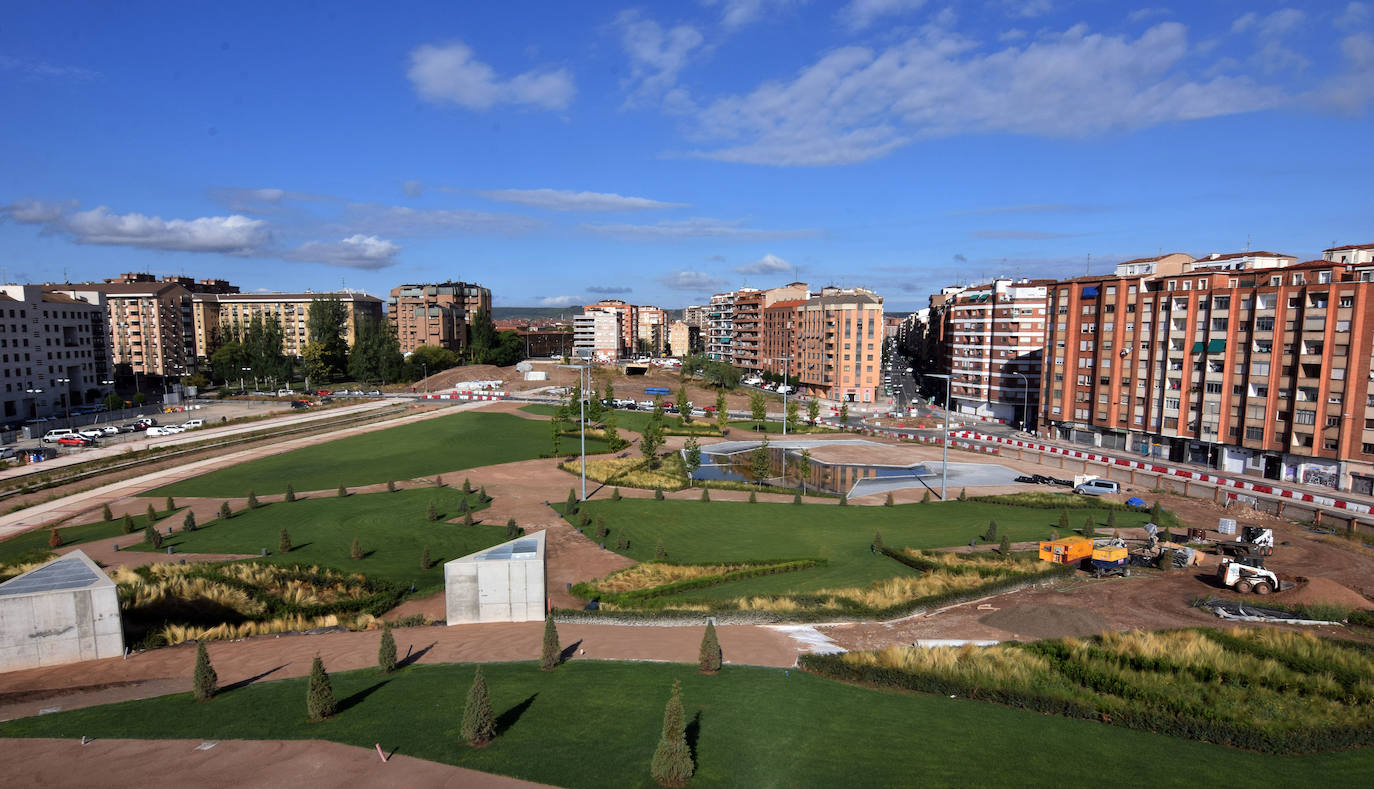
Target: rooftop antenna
<point>1087,267</point>
<point>1247,242</point>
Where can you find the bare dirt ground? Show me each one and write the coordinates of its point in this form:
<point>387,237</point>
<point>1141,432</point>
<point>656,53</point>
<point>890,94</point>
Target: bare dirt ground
<point>229,764</point>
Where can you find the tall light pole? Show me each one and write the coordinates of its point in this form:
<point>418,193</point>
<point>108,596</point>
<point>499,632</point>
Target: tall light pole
<point>581,419</point>
<point>245,370</point>
<point>785,361</point>
<point>33,409</point>
<point>1025,399</point>
<point>944,470</point>
<point>425,367</point>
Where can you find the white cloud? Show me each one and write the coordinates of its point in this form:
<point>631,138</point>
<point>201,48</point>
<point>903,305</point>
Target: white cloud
<point>357,251</point>
<point>1273,31</point>
<point>1015,34</point>
<point>386,220</point>
<point>656,55</point>
<point>1353,88</point>
<point>1354,15</point>
<point>565,200</point>
<point>1272,25</point>
<point>261,200</point>
<point>692,280</point>
<point>413,187</point>
<point>855,103</point>
<point>232,235</point>
<point>859,14</point>
<point>1028,9</point>
<point>694,228</point>
<point>735,14</point>
<point>768,264</point>
<point>1141,14</point>
<point>451,73</point>
<point>38,69</point>
<point>558,301</point>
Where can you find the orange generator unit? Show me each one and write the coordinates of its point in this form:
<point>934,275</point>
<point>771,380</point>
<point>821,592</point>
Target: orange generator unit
<point>1069,550</point>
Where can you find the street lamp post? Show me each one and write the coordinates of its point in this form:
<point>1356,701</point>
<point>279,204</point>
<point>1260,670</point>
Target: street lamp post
<point>66,397</point>
<point>425,367</point>
<point>33,409</point>
<point>1025,400</point>
<point>785,386</point>
<point>581,420</point>
<point>244,371</point>
<point>944,466</point>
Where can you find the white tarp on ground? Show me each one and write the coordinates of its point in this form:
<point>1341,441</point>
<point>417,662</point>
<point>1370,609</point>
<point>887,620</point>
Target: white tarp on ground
<point>62,612</point>
<point>504,583</point>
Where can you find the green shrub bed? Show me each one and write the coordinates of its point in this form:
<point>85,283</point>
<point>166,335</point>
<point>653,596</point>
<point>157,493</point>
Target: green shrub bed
<point>1263,690</point>
<point>639,597</point>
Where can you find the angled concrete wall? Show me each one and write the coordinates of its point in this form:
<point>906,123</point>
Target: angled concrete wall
<point>63,612</point>
<point>504,583</point>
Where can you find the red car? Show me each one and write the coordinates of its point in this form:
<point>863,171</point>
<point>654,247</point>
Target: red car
<point>75,441</point>
<point>323,392</point>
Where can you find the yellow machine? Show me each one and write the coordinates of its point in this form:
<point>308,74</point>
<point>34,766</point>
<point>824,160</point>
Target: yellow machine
<point>1068,550</point>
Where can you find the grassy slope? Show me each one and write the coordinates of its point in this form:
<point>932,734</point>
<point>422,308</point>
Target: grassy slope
<point>390,525</point>
<point>433,446</point>
<point>595,724</point>
<point>634,421</point>
<point>697,532</point>
<point>35,543</point>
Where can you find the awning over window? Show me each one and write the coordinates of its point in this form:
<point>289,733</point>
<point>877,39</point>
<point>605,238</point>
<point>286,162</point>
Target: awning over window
<point>1216,346</point>
<point>1197,347</point>
<point>1090,292</point>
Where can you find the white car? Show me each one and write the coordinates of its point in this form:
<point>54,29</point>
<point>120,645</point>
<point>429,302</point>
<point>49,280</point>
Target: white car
<point>785,389</point>
<point>646,405</point>
<point>110,430</point>
<point>162,431</point>
<point>190,423</point>
<point>91,432</point>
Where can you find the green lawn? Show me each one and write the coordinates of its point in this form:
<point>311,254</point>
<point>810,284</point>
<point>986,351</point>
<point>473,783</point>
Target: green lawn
<point>634,421</point>
<point>775,428</point>
<point>696,532</point>
<point>33,545</point>
<point>595,724</point>
<point>433,446</point>
<point>391,526</point>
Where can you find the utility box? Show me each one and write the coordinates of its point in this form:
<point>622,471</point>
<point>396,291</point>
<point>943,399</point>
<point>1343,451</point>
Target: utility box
<point>504,583</point>
<point>1068,550</point>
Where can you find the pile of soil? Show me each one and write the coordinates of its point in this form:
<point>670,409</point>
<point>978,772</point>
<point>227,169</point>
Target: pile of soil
<point>1046,621</point>
<point>1324,590</point>
<point>470,372</point>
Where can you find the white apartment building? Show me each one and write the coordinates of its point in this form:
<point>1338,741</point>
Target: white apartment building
<point>597,335</point>
<point>995,341</point>
<point>53,350</point>
<point>720,328</point>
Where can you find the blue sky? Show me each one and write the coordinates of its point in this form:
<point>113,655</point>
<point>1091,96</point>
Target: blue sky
<point>562,152</point>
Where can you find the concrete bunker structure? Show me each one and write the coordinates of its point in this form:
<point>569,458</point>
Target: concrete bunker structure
<point>65,611</point>
<point>504,583</point>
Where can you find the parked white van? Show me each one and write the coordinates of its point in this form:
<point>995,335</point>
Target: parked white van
<point>52,435</point>
<point>190,423</point>
<point>1097,487</point>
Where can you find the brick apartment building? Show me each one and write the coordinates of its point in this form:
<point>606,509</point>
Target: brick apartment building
<point>217,316</point>
<point>993,340</point>
<point>839,344</point>
<point>436,314</point>
<point>1247,362</point>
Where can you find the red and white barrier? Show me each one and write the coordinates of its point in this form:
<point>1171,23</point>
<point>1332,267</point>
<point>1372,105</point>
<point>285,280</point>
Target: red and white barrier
<point>1226,482</point>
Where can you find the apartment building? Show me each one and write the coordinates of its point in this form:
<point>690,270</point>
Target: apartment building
<point>53,354</point>
<point>838,350</point>
<point>683,338</point>
<point>629,322</point>
<point>994,340</point>
<point>217,317</point>
<point>436,314</point>
<point>651,330</point>
<point>695,315</point>
<point>779,336</point>
<point>598,334</point>
<point>747,324</point>
<point>720,328</point>
<point>1250,363</point>
<point>1351,253</point>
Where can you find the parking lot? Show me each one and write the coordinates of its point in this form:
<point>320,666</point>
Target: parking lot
<point>213,412</point>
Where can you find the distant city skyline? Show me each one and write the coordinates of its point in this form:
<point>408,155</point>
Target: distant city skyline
<point>659,152</point>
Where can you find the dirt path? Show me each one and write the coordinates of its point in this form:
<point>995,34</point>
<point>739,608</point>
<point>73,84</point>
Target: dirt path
<point>229,764</point>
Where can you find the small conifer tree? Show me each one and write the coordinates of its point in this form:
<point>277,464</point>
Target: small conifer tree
<point>623,543</point>
<point>467,486</point>
<point>431,513</point>
<point>601,530</point>
<point>963,494</point>
<point>170,504</point>
<point>708,660</point>
<point>152,513</point>
<point>570,506</point>
<point>796,498</point>
<point>386,648</point>
<point>319,699</point>
<point>1005,547</point>
<point>615,495</point>
<point>1111,519</point>
<point>343,492</point>
<point>152,537</point>
<point>204,680</point>
<point>925,497</point>
<point>462,505</point>
<point>284,544</point>
<point>1166,559</point>
<point>877,539</point>
<point>659,552</point>
<point>844,499</point>
<point>438,481</point>
<point>225,512</point>
<point>888,501</point>
<point>1156,512</point>
<point>482,495</point>
<point>425,561</point>
<point>290,492</point>
<point>357,550</point>
<point>552,652</point>
<point>467,519</point>
<point>705,495</point>
<point>991,534</point>
<point>672,764</point>
<point>1064,520</point>
<point>188,523</point>
<point>1088,530</point>
<point>252,500</point>
<point>391,486</point>
<point>479,724</point>
<point>54,539</point>
<point>127,524</point>
<point>512,530</point>
<point>658,494</point>
<point>105,513</point>
<point>752,498</point>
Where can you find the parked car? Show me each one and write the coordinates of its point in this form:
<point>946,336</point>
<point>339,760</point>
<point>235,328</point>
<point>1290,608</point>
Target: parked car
<point>375,393</point>
<point>1098,487</point>
<point>169,430</point>
<point>110,430</point>
<point>668,405</point>
<point>75,440</point>
<point>8,452</point>
<point>53,435</point>
<point>191,423</point>
<point>785,389</point>
<point>646,405</point>
<point>299,404</point>
<point>91,433</point>
<point>130,427</point>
